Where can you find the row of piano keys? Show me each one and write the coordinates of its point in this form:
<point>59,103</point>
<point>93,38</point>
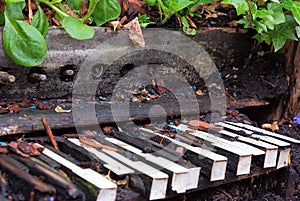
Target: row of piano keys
<point>158,166</point>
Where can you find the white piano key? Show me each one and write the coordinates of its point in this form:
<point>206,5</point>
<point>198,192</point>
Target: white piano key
<point>219,162</point>
<point>159,179</point>
<point>265,138</point>
<point>270,150</point>
<point>110,163</point>
<point>107,189</point>
<point>180,174</point>
<point>283,159</point>
<point>244,156</point>
<point>256,129</point>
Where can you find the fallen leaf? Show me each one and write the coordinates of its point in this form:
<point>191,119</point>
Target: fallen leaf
<point>84,8</point>
<point>135,33</point>
<point>13,145</point>
<point>115,24</point>
<point>59,109</point>
<point>3,150</point>
<point>199,125</point>
<point>42,106</point>
<point>27,148</point>
<point>13,108</point>
<point>273,126</point>
<point>90,143</point>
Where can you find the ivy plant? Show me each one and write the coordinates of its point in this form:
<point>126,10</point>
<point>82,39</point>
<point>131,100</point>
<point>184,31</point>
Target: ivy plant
<point>275,21</point>
<point>25,44</point>
<point>180,8</point>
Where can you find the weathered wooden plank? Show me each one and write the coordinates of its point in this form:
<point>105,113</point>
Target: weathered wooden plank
<point>40,189</point>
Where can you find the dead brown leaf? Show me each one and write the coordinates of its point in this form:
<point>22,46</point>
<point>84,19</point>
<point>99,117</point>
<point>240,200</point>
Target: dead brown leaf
<point>69,10</point>
<point>135,33</point>
<point>84,8</point>
<point>42,106</point>
<point>14,147</point>
<point>13,108</point>
<point>3,150</point>
<point>27,148</point>
<point>115,24</point>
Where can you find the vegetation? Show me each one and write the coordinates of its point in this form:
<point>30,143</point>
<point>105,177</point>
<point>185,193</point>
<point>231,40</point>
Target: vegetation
<point>275,21</point>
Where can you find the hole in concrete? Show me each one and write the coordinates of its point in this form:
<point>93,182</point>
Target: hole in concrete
<point>126,68</point>
<point>37,74</point>
<point>67,73</point>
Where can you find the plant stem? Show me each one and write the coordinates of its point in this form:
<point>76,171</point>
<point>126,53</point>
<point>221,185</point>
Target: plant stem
<point>90,10</point>
<point>53,7</point>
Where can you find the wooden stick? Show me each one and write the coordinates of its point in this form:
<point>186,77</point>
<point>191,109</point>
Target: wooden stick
<point>49,133</point>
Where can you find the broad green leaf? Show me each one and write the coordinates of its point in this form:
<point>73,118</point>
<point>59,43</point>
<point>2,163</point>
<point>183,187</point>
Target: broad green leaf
<point>23,43</point>
<point>13,1</point>
<point>151,2</point>
<point>106,10</point>
<point>263,37</point>
<point>280,34</point>
<point>293,6</point>
<point>297,28</point>
<point>177,5</point>
<point>40,21</point>
<point>275,9</point>
<point>15,10</point>
<point>245,22</point>
<point>74,4</point>
<point>260,27</point>
<point>76,29</point>
<point>2,20</point>
<point>204,1</point>
<point>241,6</point>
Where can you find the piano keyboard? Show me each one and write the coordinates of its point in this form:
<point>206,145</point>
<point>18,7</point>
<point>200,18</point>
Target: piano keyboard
<point>192,161</point>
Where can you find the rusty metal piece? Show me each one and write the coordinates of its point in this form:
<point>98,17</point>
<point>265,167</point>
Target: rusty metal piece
<point>6,78</point>
<point>49,133</point>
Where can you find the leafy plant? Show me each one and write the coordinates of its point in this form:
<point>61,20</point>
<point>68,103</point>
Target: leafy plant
<point>180,8</point>
<point>25,44</point>
<point>275,21</point>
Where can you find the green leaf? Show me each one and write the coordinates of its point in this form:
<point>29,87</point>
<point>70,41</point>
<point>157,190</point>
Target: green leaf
<point>297,28</point>
<point>241,6</point>
<point>74,4</point>
<point>106,10</point>
<point>23,43</point>
<point>280,34</point>
<point>144,21</point>
<point>15,10</point>
<point>261,53</point>
<point>76,29</point>
<point>40,21</point>
<point>2,20</point>
<point>151,2</point>
<point>13,1</point>
<point>275,10</point>
<point>293,6</point>
<point>178,5</point>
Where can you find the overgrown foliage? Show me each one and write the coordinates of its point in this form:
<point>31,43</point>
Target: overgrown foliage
<point>275,21</point>
<point>24,42</point>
